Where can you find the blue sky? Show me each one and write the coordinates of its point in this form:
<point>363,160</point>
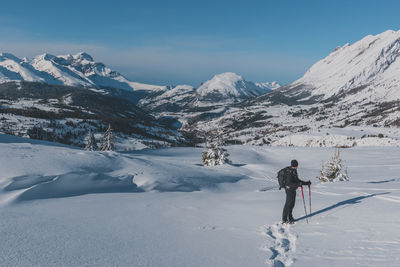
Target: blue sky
<point>176,42</point>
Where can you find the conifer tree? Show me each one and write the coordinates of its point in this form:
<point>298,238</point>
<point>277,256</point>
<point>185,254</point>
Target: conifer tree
<point>215,154</point>
<point>107,143</point>
<point>334,170</point>
<point>90,142</point>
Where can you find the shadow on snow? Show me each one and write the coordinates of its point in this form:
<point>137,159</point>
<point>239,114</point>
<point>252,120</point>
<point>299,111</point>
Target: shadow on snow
<point>70,184</point>
<point>350,201</point>
<point>382,182</point>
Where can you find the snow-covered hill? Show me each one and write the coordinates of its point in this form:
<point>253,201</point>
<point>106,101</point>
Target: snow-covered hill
<point>72,70</point>
<point>63,206</point>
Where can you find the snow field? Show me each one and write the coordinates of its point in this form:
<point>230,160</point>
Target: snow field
<point>67,207</point>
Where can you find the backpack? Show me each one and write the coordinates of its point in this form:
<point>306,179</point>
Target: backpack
<point>282,178</point>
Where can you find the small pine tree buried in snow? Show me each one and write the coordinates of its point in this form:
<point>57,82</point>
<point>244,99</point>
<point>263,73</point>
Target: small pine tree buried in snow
<point>334,170</point>
<point>107,144</point>
<point>215,154</point>
<point>90,142</point>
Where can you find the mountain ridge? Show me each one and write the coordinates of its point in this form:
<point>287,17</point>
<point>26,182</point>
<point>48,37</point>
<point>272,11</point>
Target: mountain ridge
<point>71,70</point>
<point>221,90</point>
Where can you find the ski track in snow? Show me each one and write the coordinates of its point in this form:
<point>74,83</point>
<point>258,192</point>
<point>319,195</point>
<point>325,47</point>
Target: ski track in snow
<point>284,245</point>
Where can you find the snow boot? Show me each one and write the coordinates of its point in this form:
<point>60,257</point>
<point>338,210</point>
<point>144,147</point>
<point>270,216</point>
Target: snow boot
<point>288,222</point>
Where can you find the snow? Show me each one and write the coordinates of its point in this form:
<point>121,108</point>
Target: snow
<point>66,76</point>
<point>180,94</point>
<point>141,86</point>
<point>65,206</point>
<point>356,85</point>
<point>14,69</point>
<point>177,91</point>
<point>333,141</point>
<point>372,61</point>
<point>71,70</point>
<point>23,103</point>
<point>229,85</point>
<point>269,85</point>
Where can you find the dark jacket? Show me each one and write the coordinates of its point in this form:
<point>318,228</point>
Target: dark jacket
<point>292,180</point>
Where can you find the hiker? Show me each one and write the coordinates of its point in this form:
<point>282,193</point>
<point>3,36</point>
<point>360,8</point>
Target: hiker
<point>291,182</point>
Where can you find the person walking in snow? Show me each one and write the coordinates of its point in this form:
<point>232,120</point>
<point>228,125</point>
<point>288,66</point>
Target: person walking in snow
<point>291,183</point>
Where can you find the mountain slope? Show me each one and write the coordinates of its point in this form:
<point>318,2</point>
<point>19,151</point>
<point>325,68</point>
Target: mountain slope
<point>13,68</point>
<point>65,114</point>
<point>172,100</point>
<point>371,63</point>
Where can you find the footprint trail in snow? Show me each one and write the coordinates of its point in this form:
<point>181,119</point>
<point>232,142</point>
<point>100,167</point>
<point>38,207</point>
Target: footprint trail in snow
<point>284,245</point>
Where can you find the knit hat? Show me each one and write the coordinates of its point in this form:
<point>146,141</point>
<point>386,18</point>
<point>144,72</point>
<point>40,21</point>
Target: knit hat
<point>294,163</point>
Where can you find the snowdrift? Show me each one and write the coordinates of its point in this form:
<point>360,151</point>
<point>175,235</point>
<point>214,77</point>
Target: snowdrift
<point>70,184</point>
<point>34,169</point>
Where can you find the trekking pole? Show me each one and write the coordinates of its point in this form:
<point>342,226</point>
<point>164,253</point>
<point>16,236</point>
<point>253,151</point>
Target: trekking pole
<point>304,203</point>
<point>309,194</point>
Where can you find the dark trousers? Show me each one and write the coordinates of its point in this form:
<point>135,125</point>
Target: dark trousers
<point>289,205</point>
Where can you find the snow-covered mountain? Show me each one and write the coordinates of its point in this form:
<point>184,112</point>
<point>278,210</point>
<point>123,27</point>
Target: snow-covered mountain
<point>81,71</point>
<point>71,70</point>
<point>357,85</point>
<point>13,69</point>
<point>367,70</point>
<point>221,90</point>
<point>229,87</point>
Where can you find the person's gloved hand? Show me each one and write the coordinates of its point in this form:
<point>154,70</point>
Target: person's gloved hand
<point>308,182</point>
